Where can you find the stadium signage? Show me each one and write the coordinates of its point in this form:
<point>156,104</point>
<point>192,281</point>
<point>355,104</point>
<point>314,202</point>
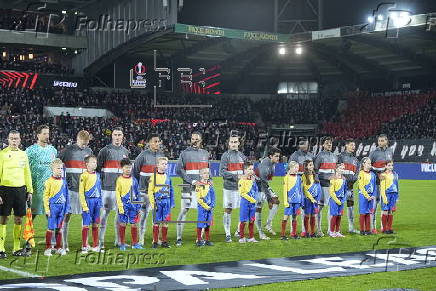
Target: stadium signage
<point>428,168</point>
<point>240,273</point>
<point>64,84</point>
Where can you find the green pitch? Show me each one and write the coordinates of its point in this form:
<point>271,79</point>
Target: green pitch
<point>414,222</point>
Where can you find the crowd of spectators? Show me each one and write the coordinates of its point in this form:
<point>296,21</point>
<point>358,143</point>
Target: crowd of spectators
<point>364,116</point>
<point>21,20</point>
<point>34,66</point>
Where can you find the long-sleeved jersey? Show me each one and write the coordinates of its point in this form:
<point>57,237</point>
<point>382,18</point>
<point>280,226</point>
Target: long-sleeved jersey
<point>312,190</point>
<point>89,187</point>
<point>337,190</point>
<point>190,162</point>
<point>73,157</point>
<point>292,191</point>
<point>15,169</point>
<point>231,165</point>
<point>379,157</point>
<point>55,192</point>
<point>160,192</point>
<point>389,185</point>
<point>144,166</point>
<point>108,164</point>
<point>299,157</point>
<point>126,192</point>
<point>264,172</point>
<point>205,196</point>
<point>351,164</point>
<point>367,183</point>
<point>40,159</point>
<point>248,190</point>
<point>325,164</point>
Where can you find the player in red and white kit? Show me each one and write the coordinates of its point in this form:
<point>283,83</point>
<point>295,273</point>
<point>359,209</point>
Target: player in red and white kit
<point>108,164</point>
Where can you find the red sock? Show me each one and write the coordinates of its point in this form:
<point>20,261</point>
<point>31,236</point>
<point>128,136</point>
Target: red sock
<point>251,229</point>
<point>48,235</point>
<point>134,233</point>
<point>312,224</point>
<point>155,233</point>
<point>284,222</point>
<point>85,230</point>
<point>199,233</point>
<point>367,222</point>
<point>306,223</point>
<point>164,233</point>
<point>241,229</point>
<point>207,233</point>
<point>338,223</point>
<point>122,231</point>
<point>390,219</point>
<point>333,223</point>
<point>385,222</point>
<point>362,222</point>
<point>94,236</point>
<point>59,239</point>
<point>294,227</point>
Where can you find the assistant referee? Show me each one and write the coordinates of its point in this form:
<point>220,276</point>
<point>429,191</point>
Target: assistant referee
<point>15,189</point>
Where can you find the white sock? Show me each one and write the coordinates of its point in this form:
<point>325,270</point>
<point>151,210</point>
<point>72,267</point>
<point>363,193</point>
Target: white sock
<point>145,210</point>
<point>272,213</point>
<point>180,226</point>
<point>350,214</point>
<point>65,234</point>
<point>374,216</point>
<point>303,229</point>
<point>239,224</point>
<point>226,222</point>
<point>258,222</point>
<point>116,228</point>
<point>104,216</point>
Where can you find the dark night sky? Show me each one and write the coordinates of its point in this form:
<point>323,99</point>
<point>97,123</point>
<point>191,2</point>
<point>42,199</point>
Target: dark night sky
<point>258,14</point>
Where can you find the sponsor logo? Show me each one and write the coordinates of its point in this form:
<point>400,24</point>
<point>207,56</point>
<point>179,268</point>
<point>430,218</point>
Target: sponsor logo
<point>64,84</point>
<point>428,168</point>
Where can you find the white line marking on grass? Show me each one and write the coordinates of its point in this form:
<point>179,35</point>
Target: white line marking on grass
<point>21,273</point>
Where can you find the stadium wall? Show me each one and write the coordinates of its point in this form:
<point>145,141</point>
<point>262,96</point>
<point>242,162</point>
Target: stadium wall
<point>409,171</point>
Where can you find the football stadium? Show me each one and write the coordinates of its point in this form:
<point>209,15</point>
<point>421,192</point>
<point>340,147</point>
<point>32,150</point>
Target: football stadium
<point>191,145</point>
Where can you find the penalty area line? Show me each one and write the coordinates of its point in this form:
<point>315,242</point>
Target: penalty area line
<point>21,273</point>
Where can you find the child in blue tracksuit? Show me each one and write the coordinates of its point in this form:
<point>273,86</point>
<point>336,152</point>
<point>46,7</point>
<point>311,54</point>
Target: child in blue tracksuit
<point>206,203</point>
<point>128,204</point>
<point>161,197</point>
<point>367,187</point>
<point>56,204</point>
<point>90,199</point>
<point>293,199</point>
<point>389,194</point>
<point>248,190</point>
<point>338,186</point>
<point>312,191</point>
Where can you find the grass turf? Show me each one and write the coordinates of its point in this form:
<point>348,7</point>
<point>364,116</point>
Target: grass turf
<point>413,223</point>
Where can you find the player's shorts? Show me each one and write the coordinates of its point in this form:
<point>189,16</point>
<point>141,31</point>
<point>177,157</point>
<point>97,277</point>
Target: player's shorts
<point>109,200</point>
<point>231,199</point>
<point>247,211</point>
<point>309,207</point>
<point>189,200</point>
<point>163,211</point>
<point>56,217</point>
<point>324,197</point>
<point>262,198</point>
<point>350,195</point>
<point>75,206</point>
<point>13,198</point>
<point>131,214</point>
<point>293,209</point>
<point>146,203</point>
<point>204,215</point>
<point>93,215</point>
<point>392,201</point>
<point>335,209</point>
<point>365,206</point>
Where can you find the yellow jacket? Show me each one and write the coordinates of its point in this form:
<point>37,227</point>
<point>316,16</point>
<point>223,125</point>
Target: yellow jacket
<point>15,169</point>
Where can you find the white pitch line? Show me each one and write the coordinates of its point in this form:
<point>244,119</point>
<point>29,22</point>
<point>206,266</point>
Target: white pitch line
<point>22,273</point>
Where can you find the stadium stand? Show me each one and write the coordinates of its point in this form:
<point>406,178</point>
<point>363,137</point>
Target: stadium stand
<point>20,20</point>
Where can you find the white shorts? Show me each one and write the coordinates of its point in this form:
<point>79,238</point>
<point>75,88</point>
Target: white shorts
<point>324,199</point>
<point>231,199</point>
<point>75,206</point>
<point>109,200</point>
<point>263,198</point>
<point>146,201</point>
<point>189,200</point>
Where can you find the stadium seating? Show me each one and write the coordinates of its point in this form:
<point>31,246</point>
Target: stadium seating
<point>20,20</point>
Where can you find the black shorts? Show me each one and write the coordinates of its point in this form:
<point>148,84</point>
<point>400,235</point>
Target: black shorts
<point>13,198</point>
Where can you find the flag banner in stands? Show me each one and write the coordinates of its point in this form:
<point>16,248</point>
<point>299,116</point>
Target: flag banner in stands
<point>231,274</point>
<point>13,79</point>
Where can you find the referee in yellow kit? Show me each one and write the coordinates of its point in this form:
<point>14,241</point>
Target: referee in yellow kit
<point>15,189</point>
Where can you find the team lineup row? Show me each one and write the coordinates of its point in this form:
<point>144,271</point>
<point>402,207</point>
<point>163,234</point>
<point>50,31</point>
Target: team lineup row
<point>94,186</point>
